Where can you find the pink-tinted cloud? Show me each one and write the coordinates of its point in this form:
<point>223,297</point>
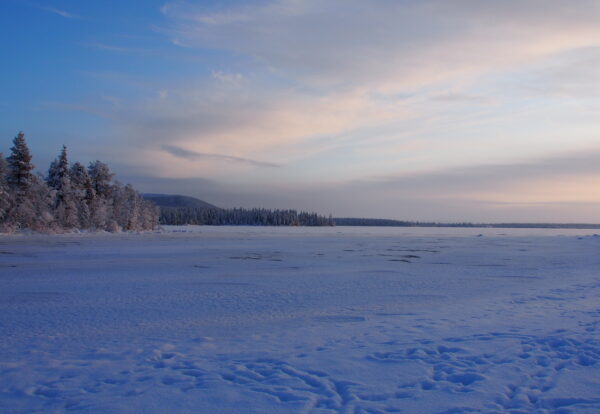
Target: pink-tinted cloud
<point>387,45</point>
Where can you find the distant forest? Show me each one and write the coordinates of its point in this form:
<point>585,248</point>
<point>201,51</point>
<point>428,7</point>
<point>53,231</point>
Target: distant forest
<point>180,210</point>
<point>241,216</point>
<point>399,223</point>
<point>70,197</point>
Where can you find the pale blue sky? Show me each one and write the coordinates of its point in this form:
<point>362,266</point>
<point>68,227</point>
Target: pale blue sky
<point>423,110</point>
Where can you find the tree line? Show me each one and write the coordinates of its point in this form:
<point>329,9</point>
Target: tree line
<point>371,222</point>
<point>70,197</point>
<point>241,216</point>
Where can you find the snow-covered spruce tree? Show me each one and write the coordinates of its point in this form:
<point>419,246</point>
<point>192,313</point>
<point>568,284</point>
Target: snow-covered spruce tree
<point>20,175</point>
<point>20,181</point>
<point>65,203</point>
<point>42,201</point>
<point>6,199</point>
<point>84,194</point>
<point>101,178</point>
<point>101,211</point>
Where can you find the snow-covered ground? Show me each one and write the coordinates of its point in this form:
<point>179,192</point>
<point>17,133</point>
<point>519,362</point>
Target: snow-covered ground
<point>297,320</point>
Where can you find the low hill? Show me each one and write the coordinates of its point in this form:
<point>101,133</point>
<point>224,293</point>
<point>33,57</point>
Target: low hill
<point>179,201</point>
<point>181,210</point>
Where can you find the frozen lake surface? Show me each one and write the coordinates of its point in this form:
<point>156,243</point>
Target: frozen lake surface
<point>301,320</point>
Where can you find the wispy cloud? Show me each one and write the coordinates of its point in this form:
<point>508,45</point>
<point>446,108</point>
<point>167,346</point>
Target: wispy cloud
<point>573,74</point>
<point>224,116</point>
<point>227,77</point>
<point>113,48</point>
<point>383,44</point>
<point>560,178</point>
<point>193,155</point>
<point>451,97</point>
<point>61,13</point>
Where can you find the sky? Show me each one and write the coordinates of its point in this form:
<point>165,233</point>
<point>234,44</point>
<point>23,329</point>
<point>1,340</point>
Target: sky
<point>444,110</point>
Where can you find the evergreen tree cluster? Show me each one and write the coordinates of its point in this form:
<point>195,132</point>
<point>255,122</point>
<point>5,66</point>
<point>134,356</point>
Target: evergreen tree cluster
<point>241,216</point>
<point>70,197</point>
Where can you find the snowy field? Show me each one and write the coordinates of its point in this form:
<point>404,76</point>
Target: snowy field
<point>301,320</point>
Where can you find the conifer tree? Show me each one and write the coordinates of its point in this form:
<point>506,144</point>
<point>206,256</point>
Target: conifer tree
<point>84,193</point>
<point>20,180</point>
<point>41,198</point>
<point>59,179</point>
<point>6,197</point>
<point>101,178</point>
<point>20,175</point>
<point>101,211</point>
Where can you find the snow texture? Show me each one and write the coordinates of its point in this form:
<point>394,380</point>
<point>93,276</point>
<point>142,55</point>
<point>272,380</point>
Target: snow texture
<point>301,320</point>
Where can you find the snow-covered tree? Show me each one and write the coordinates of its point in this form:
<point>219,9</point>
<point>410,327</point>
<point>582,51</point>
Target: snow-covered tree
<point>101,178</point>
<point>83,189</point>
<point>41,200</point>
<point>69,197</point>
<point>59,179</point>
<point>150,215</point>
<point>131,211</point>
<point>20,175</point>
<point>117,220</point>
<point>6,198</point>
<point>101,210</point>
<point>20,180</point>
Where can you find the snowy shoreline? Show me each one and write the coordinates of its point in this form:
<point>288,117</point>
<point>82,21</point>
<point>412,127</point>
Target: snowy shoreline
<point>315,320</point>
